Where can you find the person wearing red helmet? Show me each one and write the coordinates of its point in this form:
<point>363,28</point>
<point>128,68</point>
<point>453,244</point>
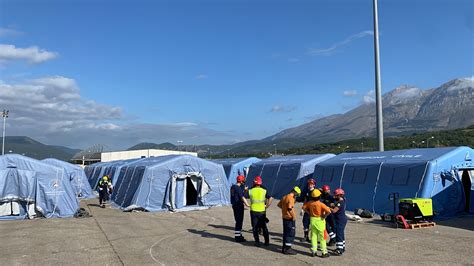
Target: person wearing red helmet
<point>237,199</point>
<point>328,200</point>
<point>260,200</point>
<point>306,198</point>
<point>340,218</point>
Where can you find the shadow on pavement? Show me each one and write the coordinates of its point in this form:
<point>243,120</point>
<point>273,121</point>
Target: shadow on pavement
<point>273,236</point>
<point>93,205</point>
<point>463,222</point>
<point>382,223</point>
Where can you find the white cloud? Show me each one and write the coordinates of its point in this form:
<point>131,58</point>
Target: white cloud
<point>7,32</point>
<point>282,109</point>
<point>51,110</point>
<point>369,97</point>
<point>32,54</point>
<point>350,93</point>
<point>334,47</point>
<point>201,76</point>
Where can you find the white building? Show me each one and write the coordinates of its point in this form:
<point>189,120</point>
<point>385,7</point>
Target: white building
<point>135,154</point>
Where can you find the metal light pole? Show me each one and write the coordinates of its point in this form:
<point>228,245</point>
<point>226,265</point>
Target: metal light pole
<point>275,146</point>
<point>362,143</point>
<point>432,137</point>
<point>378,83</point>
<point>5,116</point>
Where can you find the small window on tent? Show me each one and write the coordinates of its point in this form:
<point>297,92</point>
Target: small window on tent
<point>400,176</point>
<point>327,175</point>
<point>359,176</point>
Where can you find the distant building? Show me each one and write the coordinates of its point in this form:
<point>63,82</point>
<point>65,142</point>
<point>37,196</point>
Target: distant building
<point>135,154</point>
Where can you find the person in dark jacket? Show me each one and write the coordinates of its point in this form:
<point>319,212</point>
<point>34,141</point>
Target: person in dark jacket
<point>339,212</point>
<point>238,201</point>
<point>306,197</point>
<point>328,200</point>
<point>105,188</point>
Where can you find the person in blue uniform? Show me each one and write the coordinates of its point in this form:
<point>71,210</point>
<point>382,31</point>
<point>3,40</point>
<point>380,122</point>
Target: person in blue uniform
<point>328,200</point>
<point>238,201</point>
<point>339,212</point>
<point>306,197</point>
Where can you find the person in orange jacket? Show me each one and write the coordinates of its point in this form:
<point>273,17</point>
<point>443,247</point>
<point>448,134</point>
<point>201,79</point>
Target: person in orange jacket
<point>287,206</point>
<point>317,212</point>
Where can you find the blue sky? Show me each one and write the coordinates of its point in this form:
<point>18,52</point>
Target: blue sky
<point>216,71</point>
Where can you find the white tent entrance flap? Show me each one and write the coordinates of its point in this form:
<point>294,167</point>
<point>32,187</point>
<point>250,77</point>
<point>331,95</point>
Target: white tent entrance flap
<point>187,189</point>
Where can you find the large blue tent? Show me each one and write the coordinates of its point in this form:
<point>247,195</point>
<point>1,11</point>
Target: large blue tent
<point>234,167</point>
<point>93,173</point>
<point>76,175</point>
<point>170,182</point>
<point>29,187</point>
<point>280,174</point>
<point>96,171</point>
<point>370,178</point>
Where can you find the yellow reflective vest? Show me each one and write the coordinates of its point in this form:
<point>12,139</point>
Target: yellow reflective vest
<point>257,199</point>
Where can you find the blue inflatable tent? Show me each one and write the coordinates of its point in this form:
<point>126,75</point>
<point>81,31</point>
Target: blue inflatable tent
<point>76,175</point>
<point>93,173</point>
<point>234,167</point>
<point>111,169</point>
<point>370,178</point>
<point>29,187</point>
<point>171,182</point>
<point>280,174</point>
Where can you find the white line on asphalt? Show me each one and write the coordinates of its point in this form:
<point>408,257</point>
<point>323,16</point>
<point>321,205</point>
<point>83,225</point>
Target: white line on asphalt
<point>182,232</point>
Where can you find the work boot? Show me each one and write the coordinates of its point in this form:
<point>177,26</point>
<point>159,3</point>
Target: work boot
<point>267,243</point>
<point>332,242</point>
<point>338,252</point>
<point>307,239</point>
<point>240,239</point>
<point>290,251</point>
<point>257,244</point>
<point>325,255</point>
<point>313,253</point>
<point>283,248</point>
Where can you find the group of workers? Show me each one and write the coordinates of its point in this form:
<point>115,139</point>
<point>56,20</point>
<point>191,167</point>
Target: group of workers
<point>321,211</point>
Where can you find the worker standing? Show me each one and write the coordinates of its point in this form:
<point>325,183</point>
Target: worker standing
<point>328,200</point>
<point>318,212</point>
<point>237,199</point>
<point>105,188</point>
<point>306,198</point>
<point>287,205</point>
<point>259,202</point>
<point>340,218</point>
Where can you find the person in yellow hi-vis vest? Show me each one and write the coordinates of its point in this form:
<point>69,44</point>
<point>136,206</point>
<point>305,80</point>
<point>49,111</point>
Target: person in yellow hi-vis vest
<point>260,200</point>
<point>317,215</point>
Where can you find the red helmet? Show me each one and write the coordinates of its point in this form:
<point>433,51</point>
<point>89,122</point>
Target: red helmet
<point>258,180</point>
<point>326,188</point>
<point>339,192</point>
<point>240,179</point>
<point>311,182</point>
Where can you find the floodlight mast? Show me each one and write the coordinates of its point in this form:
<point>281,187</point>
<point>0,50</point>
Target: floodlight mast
<point>5,116</point>
<point>378,83</point>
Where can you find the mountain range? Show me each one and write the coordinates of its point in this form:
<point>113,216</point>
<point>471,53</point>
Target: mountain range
<point>406,110</point>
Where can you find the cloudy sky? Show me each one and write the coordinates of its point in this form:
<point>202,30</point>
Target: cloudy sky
<point>77,73</point>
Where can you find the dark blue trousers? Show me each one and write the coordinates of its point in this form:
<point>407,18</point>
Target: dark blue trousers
<point>306,222</point>
<point>289,232</point>
<point>239,219</point>
<point>330,225</point>
<point>340,237</point>
<point>258,221</point>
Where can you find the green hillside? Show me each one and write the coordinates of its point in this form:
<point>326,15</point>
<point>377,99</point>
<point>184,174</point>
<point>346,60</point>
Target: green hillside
<point>34,149</point>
